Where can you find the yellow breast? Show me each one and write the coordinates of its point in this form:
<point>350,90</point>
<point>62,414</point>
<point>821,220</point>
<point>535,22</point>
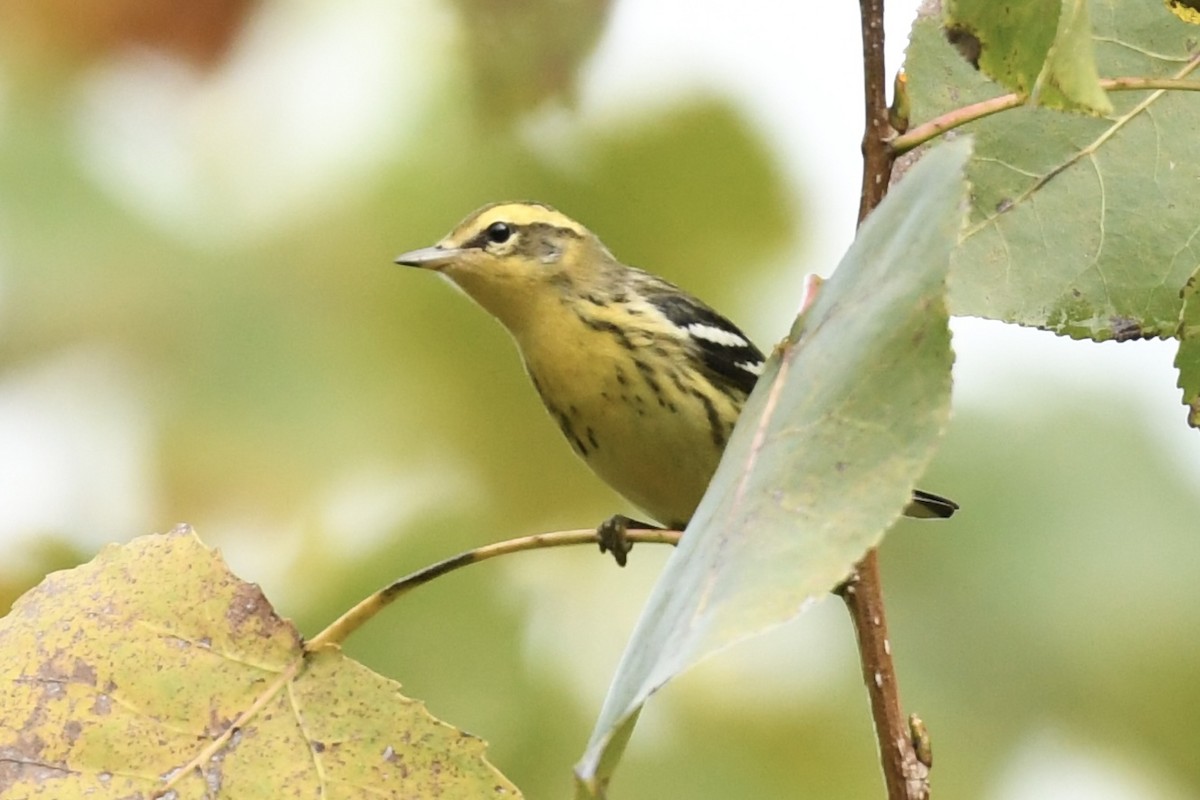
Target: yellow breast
<point>630,411</point>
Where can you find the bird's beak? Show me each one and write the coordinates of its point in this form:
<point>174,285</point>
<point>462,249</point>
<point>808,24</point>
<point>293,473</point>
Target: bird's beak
<point>428,257</point>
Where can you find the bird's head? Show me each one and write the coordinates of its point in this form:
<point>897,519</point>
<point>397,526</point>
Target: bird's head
<point>505,255</point>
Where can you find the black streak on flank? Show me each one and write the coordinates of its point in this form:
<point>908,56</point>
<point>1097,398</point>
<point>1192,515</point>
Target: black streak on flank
<point>714,419</point>
<point>679,386</point>
<point>564,423</point>
<point>649,376</point>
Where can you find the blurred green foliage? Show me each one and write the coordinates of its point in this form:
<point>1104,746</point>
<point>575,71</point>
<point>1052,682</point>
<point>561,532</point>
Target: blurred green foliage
<point>522,54</point>
<point>278,365</point>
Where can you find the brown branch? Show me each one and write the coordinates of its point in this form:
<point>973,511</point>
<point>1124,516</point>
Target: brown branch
<point>903,743</point>
<point>905,775</point>
<point>877,156</point>
<point>338,631</point>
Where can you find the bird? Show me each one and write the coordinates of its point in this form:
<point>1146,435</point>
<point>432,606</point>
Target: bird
<point>645,380</point>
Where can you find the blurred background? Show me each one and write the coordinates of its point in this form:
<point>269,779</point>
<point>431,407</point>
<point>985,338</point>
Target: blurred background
<point>200,322</point>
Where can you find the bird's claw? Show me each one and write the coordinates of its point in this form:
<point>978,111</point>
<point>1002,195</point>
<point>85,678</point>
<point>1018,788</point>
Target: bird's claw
<point>613,540</point>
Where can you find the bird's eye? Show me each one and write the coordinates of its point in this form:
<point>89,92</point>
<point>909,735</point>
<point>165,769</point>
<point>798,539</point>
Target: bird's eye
<point>499,232</point>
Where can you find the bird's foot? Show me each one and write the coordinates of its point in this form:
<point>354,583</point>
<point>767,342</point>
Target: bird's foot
<point>613,539</point>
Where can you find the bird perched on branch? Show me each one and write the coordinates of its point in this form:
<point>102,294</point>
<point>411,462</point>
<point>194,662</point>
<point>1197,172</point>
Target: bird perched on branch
<point>645,381</point>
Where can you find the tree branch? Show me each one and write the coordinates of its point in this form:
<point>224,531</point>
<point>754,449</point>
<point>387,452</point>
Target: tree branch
<point>877,156</point>
<point>904,745</point>
<point>905,775</point>
<point>355,618</point>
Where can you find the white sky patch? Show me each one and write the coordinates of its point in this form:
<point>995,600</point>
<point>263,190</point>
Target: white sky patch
<point>1008,365</point>
<point>711,333</point>
<point>76,450</point>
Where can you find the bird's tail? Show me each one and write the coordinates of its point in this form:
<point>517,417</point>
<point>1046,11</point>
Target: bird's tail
<point>929,506</point>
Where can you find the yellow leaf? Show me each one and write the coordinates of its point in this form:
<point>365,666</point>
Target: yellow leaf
<point>154,670</point>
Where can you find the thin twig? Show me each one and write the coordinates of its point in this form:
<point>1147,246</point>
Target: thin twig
<point>905,776</point>
<point>953,119</point>
<point>958,117</point>
<point>355,618</point>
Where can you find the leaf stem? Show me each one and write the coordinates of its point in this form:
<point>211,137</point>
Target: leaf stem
<point>355,618</point>
<point>904,774</point>
<point>953,119</point>
<point>926,131</point>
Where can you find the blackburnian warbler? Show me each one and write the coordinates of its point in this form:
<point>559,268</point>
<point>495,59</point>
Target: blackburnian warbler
<point>645,381</point>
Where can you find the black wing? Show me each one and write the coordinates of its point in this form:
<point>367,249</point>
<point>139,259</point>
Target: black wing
<point>730,356</point>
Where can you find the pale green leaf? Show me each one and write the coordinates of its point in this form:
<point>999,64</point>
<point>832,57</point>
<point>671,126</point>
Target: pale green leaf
<point>845,418</point>
<point>154,669</point>
<point>1187,360</point>
<point>1084,226</point>
<point>1041,49</point>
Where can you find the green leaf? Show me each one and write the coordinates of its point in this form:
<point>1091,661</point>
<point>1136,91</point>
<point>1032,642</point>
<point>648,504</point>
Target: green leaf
<point>846,416</point>
<point>1041,49</point>
<point>1187,360</point>
<point>153,669</point>
<point>1079,225</point>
